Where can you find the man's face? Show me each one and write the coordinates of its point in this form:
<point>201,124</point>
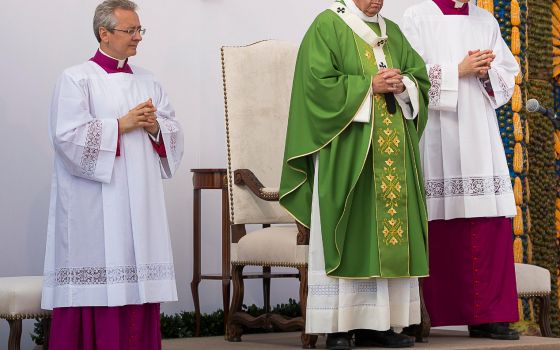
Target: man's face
<point>369,7</point>
<point>117,43</point>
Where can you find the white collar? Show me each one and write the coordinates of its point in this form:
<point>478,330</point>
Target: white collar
<point>350,5</point>
<point>459,4</point>
<point>120,62</point>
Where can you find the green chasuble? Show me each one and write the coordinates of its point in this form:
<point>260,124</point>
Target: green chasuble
<point>371,194</point>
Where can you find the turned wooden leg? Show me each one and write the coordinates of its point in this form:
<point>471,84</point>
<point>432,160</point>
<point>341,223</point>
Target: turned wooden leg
<point>15,335</point>
<point>308,341</point>
<point>46,332</point>
<point>544,316</point>
<point>233,328</point>
<point>196,260</point>
<point>266,288</point>
<point>426,323</point>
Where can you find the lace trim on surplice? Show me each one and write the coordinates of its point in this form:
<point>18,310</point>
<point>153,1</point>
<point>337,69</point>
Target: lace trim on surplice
<point>172,137</point>
<point>95,275</point>
<point>505,91</point>
<point>468,186</point>
<point>91,147</point>
<point>436,76</point>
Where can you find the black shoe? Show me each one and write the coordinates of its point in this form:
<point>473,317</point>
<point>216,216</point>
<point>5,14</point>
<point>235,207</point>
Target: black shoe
<point>415,331</point>
<point>338,341</point>
<point>386,339</point>
<point>498,330</point>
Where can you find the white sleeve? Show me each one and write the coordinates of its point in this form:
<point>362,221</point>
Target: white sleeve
<point>444,76</point>
<point>363,115</point>
<point>85,144</point>
<point>171,132</point>
<point>444,90</point>
<point>408,99</point>
<point>502,73</point>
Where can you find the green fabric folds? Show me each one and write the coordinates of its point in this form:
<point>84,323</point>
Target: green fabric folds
<point>371,195</point>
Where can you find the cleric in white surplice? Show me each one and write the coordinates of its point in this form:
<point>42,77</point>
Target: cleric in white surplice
<point>108,260</point>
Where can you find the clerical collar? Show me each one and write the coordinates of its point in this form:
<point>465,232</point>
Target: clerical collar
<point>350,5</point>
<point>453,7</point>
<point>110,64</point>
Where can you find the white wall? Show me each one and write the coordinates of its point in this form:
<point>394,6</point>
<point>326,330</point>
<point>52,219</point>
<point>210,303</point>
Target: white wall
<point>181,46</point>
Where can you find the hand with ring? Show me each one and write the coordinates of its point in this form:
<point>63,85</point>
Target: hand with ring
<point>388,80</point>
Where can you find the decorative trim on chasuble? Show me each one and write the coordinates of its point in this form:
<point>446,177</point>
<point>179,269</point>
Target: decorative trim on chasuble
<point>435,75</point>
<point>389,173</point>
<point>91,147</point>
<point>388,161</point>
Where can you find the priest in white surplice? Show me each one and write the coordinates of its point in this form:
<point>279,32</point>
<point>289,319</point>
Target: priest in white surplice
<point>468,188</point>
<point>108,260</point>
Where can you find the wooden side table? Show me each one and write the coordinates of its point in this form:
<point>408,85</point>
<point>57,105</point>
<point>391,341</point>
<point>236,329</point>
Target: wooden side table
<point>210,179</point>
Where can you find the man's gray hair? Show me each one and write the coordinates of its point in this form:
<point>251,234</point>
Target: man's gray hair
<point>105,16</point>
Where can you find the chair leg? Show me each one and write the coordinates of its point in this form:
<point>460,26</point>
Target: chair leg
<point>420,331</point>
<point>14,341</point>
<point>308,341</point>
<point>544,316</point>
<point>46,332</point>
<point>234,330</point>
<point>266,288</point>
<point>426,322</point>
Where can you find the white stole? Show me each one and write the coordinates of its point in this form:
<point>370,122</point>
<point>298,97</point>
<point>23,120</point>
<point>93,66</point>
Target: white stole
<point>373,40</point>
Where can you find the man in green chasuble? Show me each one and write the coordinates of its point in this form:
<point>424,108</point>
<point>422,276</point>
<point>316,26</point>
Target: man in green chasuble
<point>351,174</point>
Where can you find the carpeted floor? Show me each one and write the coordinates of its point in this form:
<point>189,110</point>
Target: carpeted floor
<point>440,339</point>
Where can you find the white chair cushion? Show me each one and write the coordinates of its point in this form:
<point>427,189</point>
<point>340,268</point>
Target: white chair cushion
<point>20,297</point>
<point>273,246</point>
<point>532,280</point>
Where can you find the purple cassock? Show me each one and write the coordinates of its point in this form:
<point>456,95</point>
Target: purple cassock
<point>472,273</point>
<point>100,327</point>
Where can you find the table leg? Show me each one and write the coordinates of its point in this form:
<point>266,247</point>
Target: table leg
<point>226,263</point>
<point>196,259</point>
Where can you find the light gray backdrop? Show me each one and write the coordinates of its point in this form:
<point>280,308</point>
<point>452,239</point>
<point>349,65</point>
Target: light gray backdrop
<point>181,46</point>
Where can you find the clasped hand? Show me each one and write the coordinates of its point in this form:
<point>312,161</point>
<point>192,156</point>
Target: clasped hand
<point>141,116</point>
<point>388,80</point>
<point>476,63</point>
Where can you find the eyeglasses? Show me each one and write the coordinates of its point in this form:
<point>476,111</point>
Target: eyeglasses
<point>132,31</point>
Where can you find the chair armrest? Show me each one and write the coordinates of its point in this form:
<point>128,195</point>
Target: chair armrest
<point>247,178</point>
<point>303,234</point>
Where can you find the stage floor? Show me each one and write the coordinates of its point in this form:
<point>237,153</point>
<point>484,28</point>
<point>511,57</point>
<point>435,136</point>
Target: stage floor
<point>440,339</point>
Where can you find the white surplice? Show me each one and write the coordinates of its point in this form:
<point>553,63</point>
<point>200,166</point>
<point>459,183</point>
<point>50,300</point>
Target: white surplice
<point>465,168</point>
<point>108,238</point>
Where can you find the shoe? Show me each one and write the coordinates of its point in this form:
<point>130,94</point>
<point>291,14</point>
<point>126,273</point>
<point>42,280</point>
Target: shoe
<point>386,339</point>
<point>415,331</point>
<point>497,330</point>
<point>338,341</point>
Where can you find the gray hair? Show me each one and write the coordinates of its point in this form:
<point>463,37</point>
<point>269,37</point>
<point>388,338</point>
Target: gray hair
<point>105,16</point>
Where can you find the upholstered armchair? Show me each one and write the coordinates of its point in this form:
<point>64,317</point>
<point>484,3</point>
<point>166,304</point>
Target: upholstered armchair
<point>534,282</point>
<point>257,86</point>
